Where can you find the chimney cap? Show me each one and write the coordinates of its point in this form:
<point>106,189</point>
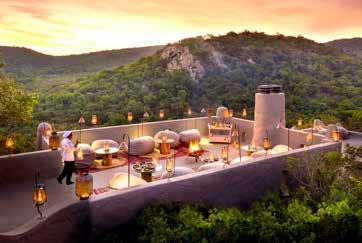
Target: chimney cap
<point>269,88</point>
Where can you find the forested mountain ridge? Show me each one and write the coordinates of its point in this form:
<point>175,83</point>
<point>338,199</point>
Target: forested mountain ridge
<point>351,46</point>
<point>40,71</point>
<point>319,81</point>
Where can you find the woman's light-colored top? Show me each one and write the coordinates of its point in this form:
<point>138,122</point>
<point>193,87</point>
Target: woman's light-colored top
<point>68,149</point>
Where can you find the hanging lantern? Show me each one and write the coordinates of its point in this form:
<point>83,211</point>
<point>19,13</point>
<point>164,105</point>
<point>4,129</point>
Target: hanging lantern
<point>9,143</point>
<point>336,136</point>
<point>129,116</point>
<point>309,137</point>
<point>299,123</point>
<point>39,194</point>
<point>266,143</point>
<point>244,113</point>
<point>235,139</point>
<point>189,111</point>
<point>231,113</point>
<point>84,185</point>
<point>94,120</point>
<point>54,141</point>
<point>162,114</point>
<point>170,165</point>
<point>209,112</point>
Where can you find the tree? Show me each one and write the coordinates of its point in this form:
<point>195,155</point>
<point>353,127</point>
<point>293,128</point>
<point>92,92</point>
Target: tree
<point>16,105</point>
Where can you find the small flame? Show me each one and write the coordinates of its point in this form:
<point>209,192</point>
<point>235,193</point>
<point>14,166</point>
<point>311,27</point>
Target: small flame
<point>194,146</point>
<point>80,154</point>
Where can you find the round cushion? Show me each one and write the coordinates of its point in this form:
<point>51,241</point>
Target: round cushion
<point>120,180</point>
<point>190,135</point>
<point>169,134</point>
<point>179,171</point>
<point>211,166</point>
<point>141,146</point>
<point>281,148</point>
<point>243,159</point>
<point>222,112</point>
<point>262,153</point>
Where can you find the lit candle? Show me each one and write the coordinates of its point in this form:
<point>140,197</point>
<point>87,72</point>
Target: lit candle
<point>129,116</point>
<point>162,114</point>
<point>244,113</point>
<point>9,144</point>
<point>336,135</point>
<point>169,165</point>
<point>189,111</point>
<point>266,144</point>
<point>94,120</point>
<point>299,123</point>
<point>80,154</point>
<point>224,153</point>
<point>231,113</point>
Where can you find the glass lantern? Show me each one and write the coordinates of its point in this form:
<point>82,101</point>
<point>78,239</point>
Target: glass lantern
<point>9,143</point>
<point>39,195</point>
<point>336,136</point>
<point>231,113</point>
<point>189,111</point>
<point>244,113</point>
<point>84,185</point>
<point>162,114</point>
<point>266,143</point>
<point>235,139</point>
<point>129,116</point>
<point>94,120</point>
<point>170,165</point>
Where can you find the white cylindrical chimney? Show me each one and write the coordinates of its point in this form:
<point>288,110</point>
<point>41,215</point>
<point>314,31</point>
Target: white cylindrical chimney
<point>269,110</point>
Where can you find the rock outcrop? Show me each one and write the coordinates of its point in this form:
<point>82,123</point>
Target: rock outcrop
<point>179,57</point>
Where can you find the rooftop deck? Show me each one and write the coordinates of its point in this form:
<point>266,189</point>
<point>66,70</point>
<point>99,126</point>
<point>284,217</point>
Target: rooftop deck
<point>259,175</point>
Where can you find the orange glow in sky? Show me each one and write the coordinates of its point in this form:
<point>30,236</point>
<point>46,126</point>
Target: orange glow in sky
<point>78,26</point>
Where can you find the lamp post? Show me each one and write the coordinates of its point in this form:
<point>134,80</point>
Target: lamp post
<point>80,122</point>
<point>126,136</point>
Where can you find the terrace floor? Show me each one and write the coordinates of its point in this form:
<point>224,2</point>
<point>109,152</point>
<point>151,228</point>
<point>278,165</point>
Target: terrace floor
<point>16,204</point>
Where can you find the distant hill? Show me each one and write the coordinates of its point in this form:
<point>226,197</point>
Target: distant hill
<point>39,70</point>
<point>351,46</point>
<point>320,81</point>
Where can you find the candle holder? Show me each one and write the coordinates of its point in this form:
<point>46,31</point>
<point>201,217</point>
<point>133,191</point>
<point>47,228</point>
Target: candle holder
<point>39,195</point>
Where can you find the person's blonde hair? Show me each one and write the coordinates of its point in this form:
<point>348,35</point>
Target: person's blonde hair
<point>42,131</point>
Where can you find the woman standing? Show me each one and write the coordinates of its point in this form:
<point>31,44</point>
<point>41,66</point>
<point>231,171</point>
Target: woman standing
<point>68,151</point>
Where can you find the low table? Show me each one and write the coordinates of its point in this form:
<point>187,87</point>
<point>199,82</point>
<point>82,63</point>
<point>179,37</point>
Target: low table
<point>107,154</point>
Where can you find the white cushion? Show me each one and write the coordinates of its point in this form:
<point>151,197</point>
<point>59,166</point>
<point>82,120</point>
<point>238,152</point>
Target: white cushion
<point>141,146</point>
<point>190,135</point>
<point>169,134</point>
<point>262,153</point>
<point>281,148</point>
<point>97,144</point>
<point>120,180</point>
<point>211,166</point>
<point>179,171</point>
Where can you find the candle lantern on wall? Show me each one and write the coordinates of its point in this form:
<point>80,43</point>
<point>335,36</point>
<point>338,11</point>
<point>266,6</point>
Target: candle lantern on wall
<point>209,112</point>
<point>94,120</point>
<point>244,113</point>
<point>84,185</point>
<point>54,141</point>
<point>189,111</point>
<point>309,137</point>
<point>162,114</point>
<point>299,123</point>
<point>9,143</point>
<point>336,136</point>
<point>39,194</point>
<point>231,113</point>
<point>129,117</point>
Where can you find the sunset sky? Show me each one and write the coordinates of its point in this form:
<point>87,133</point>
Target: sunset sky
<point>78,26</point>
